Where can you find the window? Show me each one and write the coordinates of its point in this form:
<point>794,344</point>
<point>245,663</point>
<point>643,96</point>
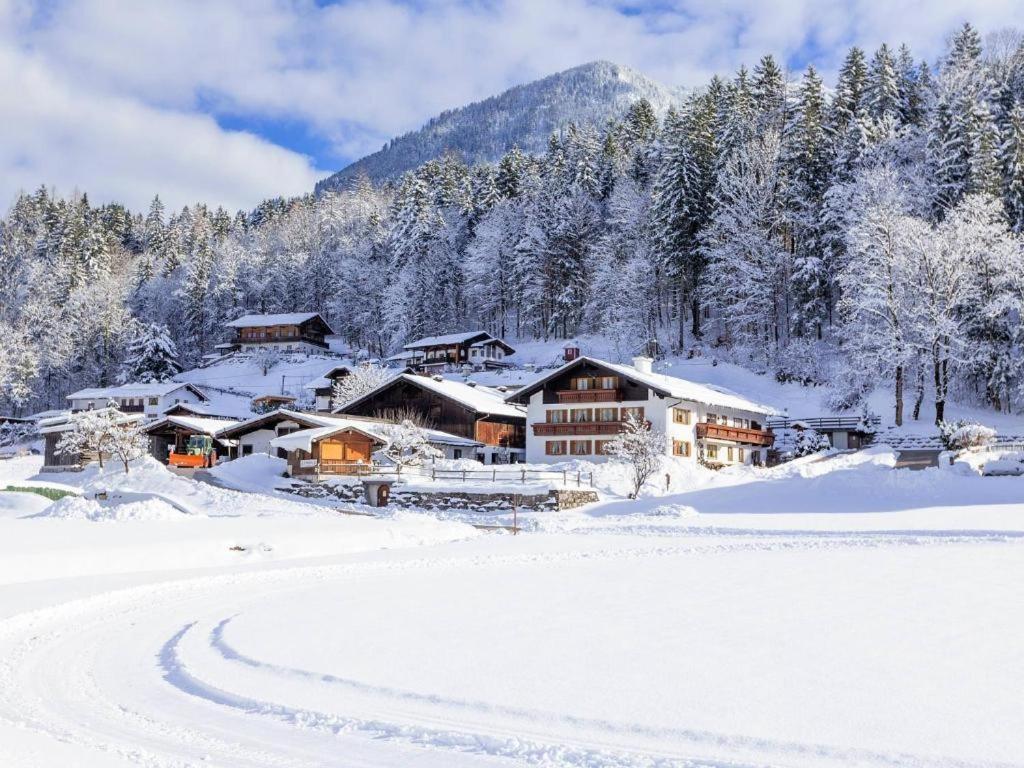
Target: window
<point>582,384</point>
<point>558,417</point>
<point>457,453</point>
<point>738,422</point>
<point>638,412</point>
<point>607,382</point>
<point>599,446</point>
<point>728,453</point>
<point>680,416</point>
<point>579,447</point>
<point>154,401</point>
<point>246,450</point>
<point>712,451</point>
<point>712,418</point>
<point>607,414</point>
<point>582,415</point>
<point>680,448</point>
<point>554,447</point>
<point>741,455</point>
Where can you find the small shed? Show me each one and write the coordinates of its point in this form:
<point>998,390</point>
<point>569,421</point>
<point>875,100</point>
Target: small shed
<point>171,433</point>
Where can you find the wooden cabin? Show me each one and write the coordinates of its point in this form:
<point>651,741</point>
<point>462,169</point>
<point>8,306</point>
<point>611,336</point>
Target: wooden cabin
<point>473,412</point>
<point>289,332</point>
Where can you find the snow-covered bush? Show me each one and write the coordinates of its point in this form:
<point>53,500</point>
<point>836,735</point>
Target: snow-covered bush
<point>358,382</point>
<point>407,444</point>
<point>640,447</point>
<point>802,360</point>
<point>15,433</point>
<point>962,434</point>
<point>809,441</point>
<point>266,359</point>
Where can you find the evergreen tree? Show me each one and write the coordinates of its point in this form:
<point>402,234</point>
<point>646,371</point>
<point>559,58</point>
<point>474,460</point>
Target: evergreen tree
<point>151,356</point>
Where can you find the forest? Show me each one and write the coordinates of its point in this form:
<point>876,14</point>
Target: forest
<point>859,235</point>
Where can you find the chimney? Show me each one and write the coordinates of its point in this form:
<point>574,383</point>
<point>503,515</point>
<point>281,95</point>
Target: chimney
<point>642,364</point>
<point>470,383</point>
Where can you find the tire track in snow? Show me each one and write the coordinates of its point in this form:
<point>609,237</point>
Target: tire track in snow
<point>86,715</point>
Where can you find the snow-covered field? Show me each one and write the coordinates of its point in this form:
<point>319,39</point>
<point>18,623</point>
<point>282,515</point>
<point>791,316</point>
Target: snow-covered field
<point>834,611</point>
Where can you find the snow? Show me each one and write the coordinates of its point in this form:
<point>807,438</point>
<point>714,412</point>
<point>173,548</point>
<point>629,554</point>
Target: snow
<point>19,504</point>
<point>153,389</point>
<point>832,611</point>
<point>479,398</point>
<point>670,386</point>
<point>205,426</point>
<point>264,321</point>
<point>450,338</point>
<point>243,376</point>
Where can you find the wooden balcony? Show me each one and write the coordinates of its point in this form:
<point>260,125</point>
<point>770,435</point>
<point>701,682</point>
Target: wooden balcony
<point>758,437</point>
<point>546,428</point>
<point>589,395</point>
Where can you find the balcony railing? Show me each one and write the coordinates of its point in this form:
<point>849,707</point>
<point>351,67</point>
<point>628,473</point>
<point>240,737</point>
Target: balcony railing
<point>577,428</point>
<point>759,437</point>
<point>270,339</point>
<point>589,395</point>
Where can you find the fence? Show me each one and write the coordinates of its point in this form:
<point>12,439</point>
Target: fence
<point>822,423</point>
<point>494,475</point>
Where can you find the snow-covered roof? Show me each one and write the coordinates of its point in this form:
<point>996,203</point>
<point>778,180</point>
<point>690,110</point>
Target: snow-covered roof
<point>450,338</point>
<point>309,420</point>
<point>265,321</point>
<point>138,389</point>
<point>373,428</point>
<point>323,381</point>
<point>219,405</point>
<point>670,386</point>
<point>202,425</point>
<point>242,375</point>
<point>67,420</point>
<point>479,399</point>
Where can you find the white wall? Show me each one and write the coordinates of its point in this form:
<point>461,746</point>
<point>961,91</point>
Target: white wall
<point>657,410</point>
<point>182,395</point>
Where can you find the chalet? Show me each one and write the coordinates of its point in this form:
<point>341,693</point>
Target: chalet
<point>52,429</point>
<point>322,387</point>
<point>289,332</point>
<point>477,349</point>
<point>170,433</point>
<point>347,446</point>
<point>843,432</point>
<point>267,403</point>
<point>573,412</point>
<point>473,412</point>
<point>148,399</point>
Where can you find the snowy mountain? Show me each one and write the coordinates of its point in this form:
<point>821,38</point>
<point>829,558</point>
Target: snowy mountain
<point>523,116</point>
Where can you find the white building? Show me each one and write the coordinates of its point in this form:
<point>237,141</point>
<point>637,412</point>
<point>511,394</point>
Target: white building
<point>150,400</point>
<point>573,411</point>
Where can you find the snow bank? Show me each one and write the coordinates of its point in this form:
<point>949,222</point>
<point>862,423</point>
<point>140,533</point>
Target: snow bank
<point>80,508</point>
<point>17,504</point>
<point>258,472</point>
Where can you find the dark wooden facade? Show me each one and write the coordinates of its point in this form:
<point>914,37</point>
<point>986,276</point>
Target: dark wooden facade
<point>603,385</point>
<point>53,459</point>
<point>311,331</point>
<point>402,396</point>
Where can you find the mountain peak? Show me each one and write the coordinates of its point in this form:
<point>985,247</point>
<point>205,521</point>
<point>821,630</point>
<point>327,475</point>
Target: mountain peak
<point>524,116</point>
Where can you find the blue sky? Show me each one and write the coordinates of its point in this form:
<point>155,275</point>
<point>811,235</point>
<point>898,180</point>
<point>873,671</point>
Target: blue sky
<point>231,102</point>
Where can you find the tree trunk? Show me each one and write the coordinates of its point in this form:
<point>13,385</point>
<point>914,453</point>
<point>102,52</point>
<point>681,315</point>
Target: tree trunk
<point>695,310</point>
<point>940,392</point>
<point>919,397</point>
<point>899,395</point>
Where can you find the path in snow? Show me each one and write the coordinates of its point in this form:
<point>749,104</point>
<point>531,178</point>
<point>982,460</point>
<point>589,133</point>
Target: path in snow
<point>260,668</point>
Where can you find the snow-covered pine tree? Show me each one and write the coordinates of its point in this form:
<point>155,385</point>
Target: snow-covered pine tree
<point>151,355</point>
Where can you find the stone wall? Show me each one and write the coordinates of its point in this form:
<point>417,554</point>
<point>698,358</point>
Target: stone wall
<point>442,500</point>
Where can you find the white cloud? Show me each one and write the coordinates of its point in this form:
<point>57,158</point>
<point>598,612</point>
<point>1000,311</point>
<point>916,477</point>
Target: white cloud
<point>360,71</point>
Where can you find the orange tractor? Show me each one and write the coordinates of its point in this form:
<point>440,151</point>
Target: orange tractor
<point>199,453</point>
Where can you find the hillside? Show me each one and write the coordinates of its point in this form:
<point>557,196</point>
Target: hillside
<point>522,116</point>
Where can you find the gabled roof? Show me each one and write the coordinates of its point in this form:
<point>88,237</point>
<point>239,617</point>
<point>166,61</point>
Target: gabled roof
<point>451,338</point>
<point>477,399</point>
<point>153,389</point>
<point>67,420</point>
<point>198,424</point>
<point>306,420</point>
<point>669,386</point>
<point>284,318</point>
<point>375,429</point>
